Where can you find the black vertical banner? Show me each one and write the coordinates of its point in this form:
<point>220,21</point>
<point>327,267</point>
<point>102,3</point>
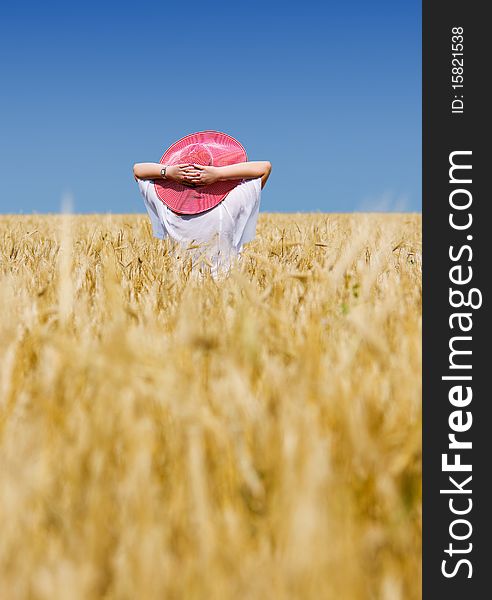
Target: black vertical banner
<point>457,421</point>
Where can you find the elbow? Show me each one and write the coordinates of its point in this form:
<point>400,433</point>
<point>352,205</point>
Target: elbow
<point>266,172</point>
<point>136,170</point>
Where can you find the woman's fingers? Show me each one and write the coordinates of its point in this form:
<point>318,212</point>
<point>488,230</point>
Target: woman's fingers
<point>193,175</point>
<point>191,167</point>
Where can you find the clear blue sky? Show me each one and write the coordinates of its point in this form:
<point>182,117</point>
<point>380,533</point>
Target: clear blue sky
<point>329,92</point>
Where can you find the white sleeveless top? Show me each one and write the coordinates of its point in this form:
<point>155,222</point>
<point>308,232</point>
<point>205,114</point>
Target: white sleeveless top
<point>218,235</point>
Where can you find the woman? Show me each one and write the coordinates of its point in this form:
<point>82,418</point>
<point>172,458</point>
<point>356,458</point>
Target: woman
<point>205,195</point>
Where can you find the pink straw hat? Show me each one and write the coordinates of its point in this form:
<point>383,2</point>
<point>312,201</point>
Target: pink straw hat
<point>204,148</point>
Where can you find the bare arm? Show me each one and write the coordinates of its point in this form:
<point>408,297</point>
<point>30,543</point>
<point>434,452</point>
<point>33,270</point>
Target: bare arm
<point>204,175</point>
<point>178,173</point>
<point>147,170</point>
<point>198,175</point>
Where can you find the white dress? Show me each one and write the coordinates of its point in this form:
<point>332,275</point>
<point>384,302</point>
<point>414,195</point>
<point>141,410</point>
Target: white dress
<point>216,236</point>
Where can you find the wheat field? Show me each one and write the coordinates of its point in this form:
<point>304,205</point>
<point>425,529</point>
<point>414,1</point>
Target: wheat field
<point>167,436</point>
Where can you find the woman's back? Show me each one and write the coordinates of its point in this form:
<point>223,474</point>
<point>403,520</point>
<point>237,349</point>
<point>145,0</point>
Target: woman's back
<point>219,233</point>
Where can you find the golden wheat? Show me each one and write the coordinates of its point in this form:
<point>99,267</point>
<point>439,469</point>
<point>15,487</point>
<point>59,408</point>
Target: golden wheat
<point>169,437</point>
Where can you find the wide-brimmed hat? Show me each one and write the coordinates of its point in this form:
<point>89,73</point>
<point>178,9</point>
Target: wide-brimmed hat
<point>203,148</point>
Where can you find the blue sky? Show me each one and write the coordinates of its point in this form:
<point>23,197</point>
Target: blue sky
<point>329,92</point>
